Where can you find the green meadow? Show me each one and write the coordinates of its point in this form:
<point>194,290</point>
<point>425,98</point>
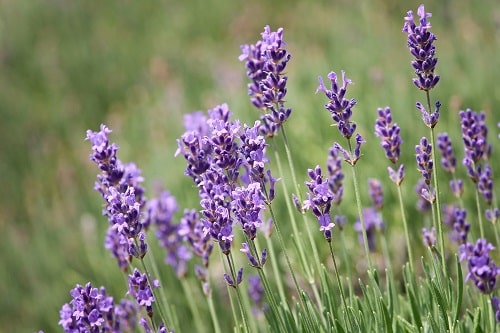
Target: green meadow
<point>139,66</point>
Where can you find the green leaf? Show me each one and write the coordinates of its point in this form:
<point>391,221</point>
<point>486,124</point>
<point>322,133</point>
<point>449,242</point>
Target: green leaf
<point>386,317</point>
<point>460,291</point>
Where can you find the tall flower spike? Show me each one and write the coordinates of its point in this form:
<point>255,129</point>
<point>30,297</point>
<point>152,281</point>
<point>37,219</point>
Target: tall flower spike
<point>389,134</point>
<point>424,159</point>
<point>421,45</point>
<point>339,107</point>
<point>482,269</point>
<point>265,62</point>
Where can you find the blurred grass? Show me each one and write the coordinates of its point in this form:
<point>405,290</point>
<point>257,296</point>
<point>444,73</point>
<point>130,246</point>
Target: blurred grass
<point>138,66</point>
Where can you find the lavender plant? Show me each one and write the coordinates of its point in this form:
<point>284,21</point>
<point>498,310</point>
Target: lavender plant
<point>233,178</point>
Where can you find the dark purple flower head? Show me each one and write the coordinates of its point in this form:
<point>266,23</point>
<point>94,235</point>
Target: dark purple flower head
<point>389,134</point>
<point>448,159</point>
<point>421,45</point>
<point>140,289</point>
<point>319,200</point>
<point>376,193</point>
<point>373,223</point>
<point>482,269</point>
<point>429,236</point>
<point>424,159</point>
<point>485,183</point>
<point>335,174</point>
<point>339,107</point>
<point>236,281</point>
<point>474,135</point>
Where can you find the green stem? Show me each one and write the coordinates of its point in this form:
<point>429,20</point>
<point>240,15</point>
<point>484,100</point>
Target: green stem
<point>479,214</point>
<point>438,222</point>
<point>405,226</point>
<point>360,213</point>
<point>213,314</point>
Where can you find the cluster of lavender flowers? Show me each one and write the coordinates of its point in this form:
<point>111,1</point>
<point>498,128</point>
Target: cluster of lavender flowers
<point>227,162</point>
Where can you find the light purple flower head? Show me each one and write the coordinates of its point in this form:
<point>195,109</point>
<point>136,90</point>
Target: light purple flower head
<point>373,223</point>
<point>482,269</point>
<point>339,107</point>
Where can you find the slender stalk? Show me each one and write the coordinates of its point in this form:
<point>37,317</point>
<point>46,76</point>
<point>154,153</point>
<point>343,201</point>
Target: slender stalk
<point>347,265</point>
<point>341,288</point>
<point>439,220</point>
<point>192,306</point>
<point>405,227</point>
<point>213,314</point>
<point>360,213</point>
<point>479,214</point>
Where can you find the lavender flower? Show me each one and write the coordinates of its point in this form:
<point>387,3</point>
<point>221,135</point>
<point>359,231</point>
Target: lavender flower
<point>397,176</point>
<point>389,134</point>
<point>247,206</point>
<point>376,193</point>
<point>423,205</point>
<point>474,135</point>
<point>420,43</point>
<point>254,262</point>
<point>430,118</point>
<point>234,282</point>
<point>351,158</point>
<point>265,62</point>
<point>445,147</point>
<point>319,200</point>
<point>159,212</point>
<point>461,227</point>
<point>482,269</point>
<point>339,107</point>
<point>429,237</point>
<point>256,292</point>
<point>492,215</point>
<point>373,223</point>
<point>335,174</point>
<point>457,187</point>
<point>92,310</point>
<point>140,289</point>
<point>191,229</point>
<point>485,182</point>
<point>117,243</point>
<point>495,303</point>
<point>424,159</point>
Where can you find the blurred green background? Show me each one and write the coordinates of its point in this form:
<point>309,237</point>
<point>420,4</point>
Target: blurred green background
<point>138,66</point>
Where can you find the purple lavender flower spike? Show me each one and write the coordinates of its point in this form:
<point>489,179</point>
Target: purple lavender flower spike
<point>253,261</point>
<point>239,278</point>
<point>376,193</point>
<point>335,174</point>
<point>461,227</point>
<point>247,206</point>
<point>92,310</point>
<point>423,205</point>
<point>495,303</point>
<point>429,118</point>
<point>474,135</point>
<point>457,187</point>
<point>265,62</point>
<point>397,176</point>
<point>389,134</point>
<point>117,243</point>
<point>339,107</point>
<point>256,291</point>
<point>485,183</point>
<point>373,223</point>
<point>429,236</point>
<point>420,43</point>
<point>482,269</point>
<point>492,215</point>
<point>191,229</point>
<point>448,159</point>
<point>424,159</point>
<point>140,289</point>
<point>319,200</point>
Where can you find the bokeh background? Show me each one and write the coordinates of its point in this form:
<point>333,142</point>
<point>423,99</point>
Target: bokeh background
<point>138,66</point>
